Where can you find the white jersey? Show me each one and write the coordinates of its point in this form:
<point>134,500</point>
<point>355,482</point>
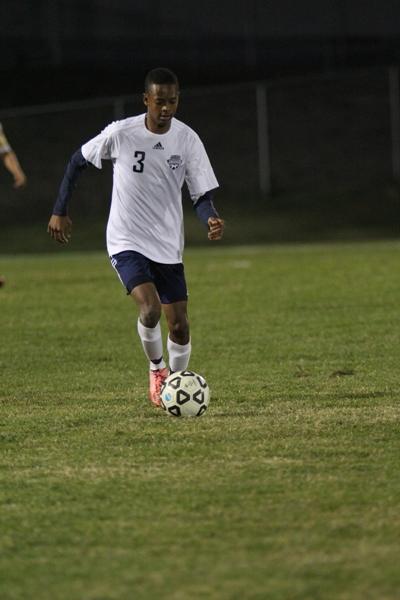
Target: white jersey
<point>149,172</point>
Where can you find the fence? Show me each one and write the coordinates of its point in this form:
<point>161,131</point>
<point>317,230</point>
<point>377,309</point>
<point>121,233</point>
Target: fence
<point>302,137</point>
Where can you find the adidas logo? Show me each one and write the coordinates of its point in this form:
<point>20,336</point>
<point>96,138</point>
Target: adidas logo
<point>158,146</point>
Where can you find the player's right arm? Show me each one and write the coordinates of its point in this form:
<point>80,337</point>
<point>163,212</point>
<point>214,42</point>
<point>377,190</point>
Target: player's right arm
<point>59,228</point>
<point>101,147</point>
<point>60,224</point>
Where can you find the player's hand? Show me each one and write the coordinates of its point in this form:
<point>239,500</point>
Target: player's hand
<point>60,228</point>
<point>19,180</point>
<point>215,228</point>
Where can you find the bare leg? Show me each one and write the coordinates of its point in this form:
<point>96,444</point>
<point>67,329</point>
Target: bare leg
<point>148,302</point>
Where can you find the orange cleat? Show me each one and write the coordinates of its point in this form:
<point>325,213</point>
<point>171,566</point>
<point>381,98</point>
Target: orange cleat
<point>156,379</point>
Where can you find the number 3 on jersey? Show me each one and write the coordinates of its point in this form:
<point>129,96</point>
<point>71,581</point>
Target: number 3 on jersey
<point>138,167</point>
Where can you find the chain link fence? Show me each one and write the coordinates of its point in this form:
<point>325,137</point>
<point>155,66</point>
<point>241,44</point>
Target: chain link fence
<point>286,143</point>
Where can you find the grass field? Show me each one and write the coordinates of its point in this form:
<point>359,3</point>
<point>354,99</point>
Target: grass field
<point>287,489</point>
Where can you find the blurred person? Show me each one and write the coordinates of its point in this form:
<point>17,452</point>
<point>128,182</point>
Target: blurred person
<point>11,163</point>
<point>153,154</point>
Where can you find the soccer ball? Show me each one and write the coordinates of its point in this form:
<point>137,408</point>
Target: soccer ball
<point>185,394</point>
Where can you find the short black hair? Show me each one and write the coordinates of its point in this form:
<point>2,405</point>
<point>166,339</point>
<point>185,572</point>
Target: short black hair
<point>160,76</point>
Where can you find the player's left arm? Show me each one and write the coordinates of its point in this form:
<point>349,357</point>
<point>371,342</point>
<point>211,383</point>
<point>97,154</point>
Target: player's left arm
<point>200,179</point>
<point>208,215</point>
<point>216,227</point>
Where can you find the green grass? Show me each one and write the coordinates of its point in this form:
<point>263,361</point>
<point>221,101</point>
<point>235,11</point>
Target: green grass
<point>287,489</point>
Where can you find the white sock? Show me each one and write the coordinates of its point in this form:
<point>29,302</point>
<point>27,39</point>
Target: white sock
<point>152,344</point>
<point>178,355</point>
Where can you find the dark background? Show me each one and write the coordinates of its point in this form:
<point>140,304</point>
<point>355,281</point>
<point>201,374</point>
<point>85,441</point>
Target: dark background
<point>68,49</point>
<point>325,65</point>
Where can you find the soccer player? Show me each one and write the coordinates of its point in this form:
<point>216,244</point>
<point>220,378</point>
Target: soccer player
<point>153,154</point>
<point>11,163</point>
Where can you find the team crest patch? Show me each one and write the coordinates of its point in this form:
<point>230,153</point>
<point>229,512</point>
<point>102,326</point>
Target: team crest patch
<point>175,161</point>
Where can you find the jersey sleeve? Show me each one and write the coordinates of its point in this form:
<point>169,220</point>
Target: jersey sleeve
<point>102,147</point>
<point>4,145</point>
<point>199,175</point>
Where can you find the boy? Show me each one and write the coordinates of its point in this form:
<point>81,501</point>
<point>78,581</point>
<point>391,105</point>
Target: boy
<point>153,154</point>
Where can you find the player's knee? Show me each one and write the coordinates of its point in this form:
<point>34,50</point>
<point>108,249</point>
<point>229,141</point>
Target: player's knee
<point>150,315</point>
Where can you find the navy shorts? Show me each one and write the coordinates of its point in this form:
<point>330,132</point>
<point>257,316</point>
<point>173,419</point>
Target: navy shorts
<point>134,269</point>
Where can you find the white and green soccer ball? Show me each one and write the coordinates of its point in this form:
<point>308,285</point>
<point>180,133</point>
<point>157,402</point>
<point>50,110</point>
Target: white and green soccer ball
<point>185,394</point>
